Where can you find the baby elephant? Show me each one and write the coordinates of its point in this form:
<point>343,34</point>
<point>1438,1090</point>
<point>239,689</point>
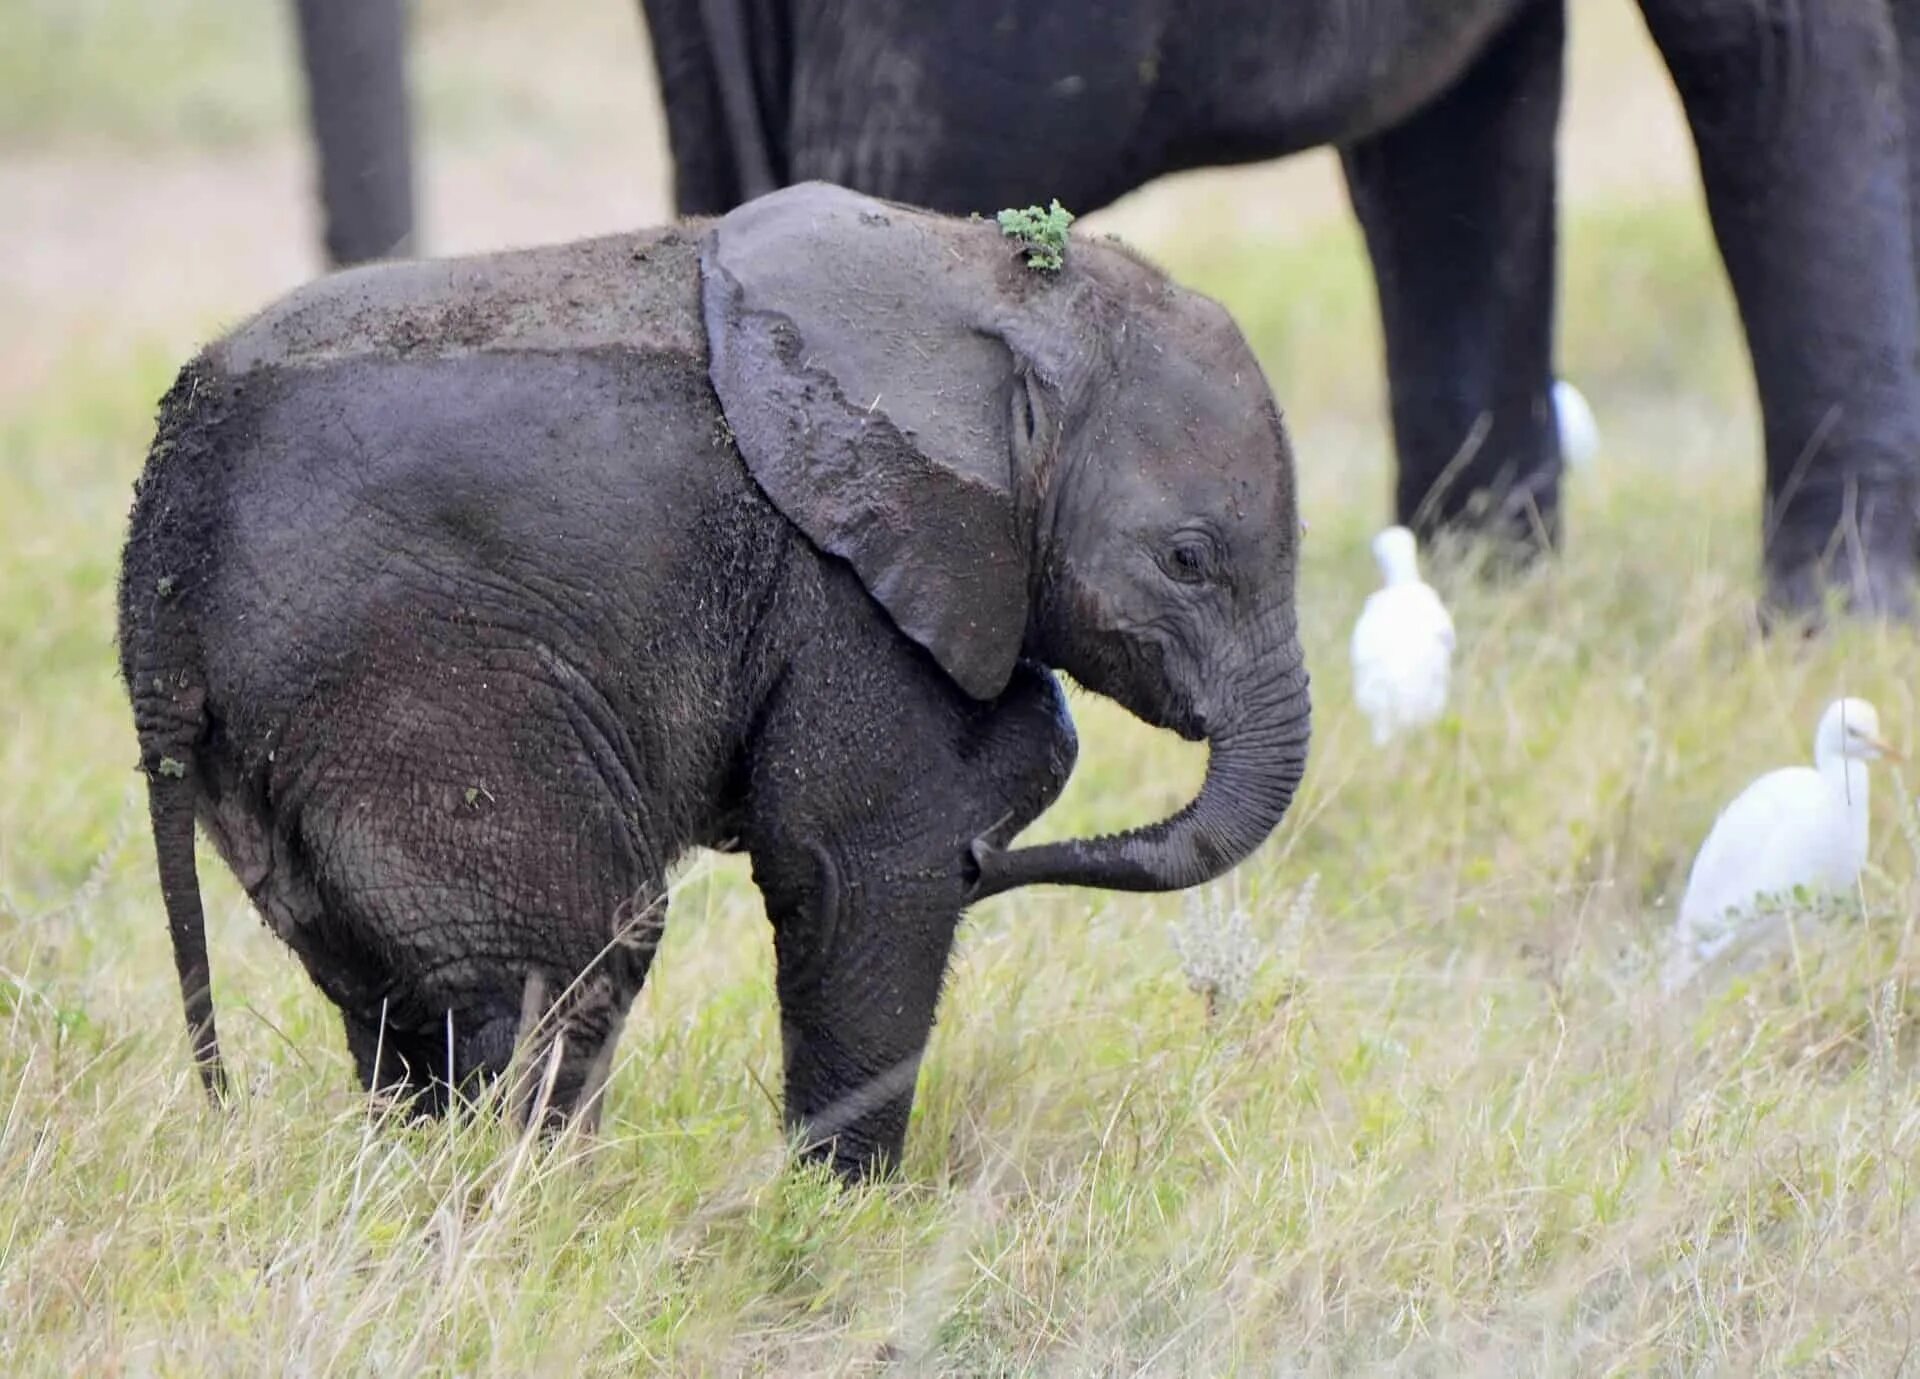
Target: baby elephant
<point>462,598</point>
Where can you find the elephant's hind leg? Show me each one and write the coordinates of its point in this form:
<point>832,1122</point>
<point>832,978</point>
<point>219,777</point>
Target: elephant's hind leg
<point>559,1054</point>
<point>1457,203</point>
<point>537,1026</point>
<point>480,881</point>
<point>1796,112</point>
<point>548,1061</point>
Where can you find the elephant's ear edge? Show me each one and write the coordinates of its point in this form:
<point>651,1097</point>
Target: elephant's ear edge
<point>859,489</point>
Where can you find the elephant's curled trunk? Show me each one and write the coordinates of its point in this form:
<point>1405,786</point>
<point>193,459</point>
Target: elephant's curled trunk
<point>1254,764</point>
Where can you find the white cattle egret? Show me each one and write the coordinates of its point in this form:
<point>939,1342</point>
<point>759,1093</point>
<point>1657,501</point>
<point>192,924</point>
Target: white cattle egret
<point>1579,432</point>
<point>1798,828</point>
<point>1402,644</point>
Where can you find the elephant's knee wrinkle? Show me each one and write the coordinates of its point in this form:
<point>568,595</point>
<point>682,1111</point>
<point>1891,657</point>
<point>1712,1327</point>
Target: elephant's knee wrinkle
<point>809,928</point>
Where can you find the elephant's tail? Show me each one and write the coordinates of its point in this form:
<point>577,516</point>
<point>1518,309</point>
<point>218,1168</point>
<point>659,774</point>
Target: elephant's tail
<point>170,543</point>
<point>171,789</point>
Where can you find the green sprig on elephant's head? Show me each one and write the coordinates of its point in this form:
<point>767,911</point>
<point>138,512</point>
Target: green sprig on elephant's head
<point>1042,233</point>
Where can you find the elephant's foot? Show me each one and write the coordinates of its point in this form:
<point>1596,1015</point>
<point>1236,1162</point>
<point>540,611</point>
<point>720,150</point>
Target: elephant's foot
<point>1508,527</point>
<point>1863,564</point>
<point>1808,595</point>
<point>1480,469</point>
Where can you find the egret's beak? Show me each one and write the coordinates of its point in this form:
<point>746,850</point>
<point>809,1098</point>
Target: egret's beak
<point>1883,749</point>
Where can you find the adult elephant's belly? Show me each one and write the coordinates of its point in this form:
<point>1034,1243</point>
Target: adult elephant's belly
<point>963,110</point>
<point>1282,78</point>
<point>935,106</point>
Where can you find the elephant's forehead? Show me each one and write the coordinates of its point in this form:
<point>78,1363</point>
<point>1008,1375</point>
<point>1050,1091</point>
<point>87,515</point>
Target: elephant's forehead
<point>1186,388</point>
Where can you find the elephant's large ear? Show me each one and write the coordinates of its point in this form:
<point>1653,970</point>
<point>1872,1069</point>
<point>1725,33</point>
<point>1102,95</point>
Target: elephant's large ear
<point>874,410</point>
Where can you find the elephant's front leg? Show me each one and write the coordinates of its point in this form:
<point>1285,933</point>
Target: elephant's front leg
<point>861,956</point>
<point>863,858</point>
<point>1797,115</point>
<point>1906,24</point>
<point>1457,203</point>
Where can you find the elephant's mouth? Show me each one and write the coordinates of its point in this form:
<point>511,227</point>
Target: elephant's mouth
<point>1174,712</point>
<point>1138,679</point>
<point>1194,716</point>
<point>1185,720</point>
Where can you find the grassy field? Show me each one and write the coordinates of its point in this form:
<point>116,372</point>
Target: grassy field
<point>1444,1127</point>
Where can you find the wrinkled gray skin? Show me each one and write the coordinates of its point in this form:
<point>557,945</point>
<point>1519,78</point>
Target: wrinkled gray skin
<point>462,598</point>
<point>1805,114</point>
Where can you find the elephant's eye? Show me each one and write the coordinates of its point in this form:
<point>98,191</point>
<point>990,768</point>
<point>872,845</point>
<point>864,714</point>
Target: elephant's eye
<point>1190,559</point>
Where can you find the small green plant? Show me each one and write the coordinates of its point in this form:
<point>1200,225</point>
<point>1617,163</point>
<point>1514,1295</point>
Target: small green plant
<point>1218,952</point>
<point>1043,234</point>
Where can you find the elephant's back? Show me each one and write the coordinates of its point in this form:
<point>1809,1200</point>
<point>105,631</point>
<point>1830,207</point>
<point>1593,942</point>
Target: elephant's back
<point>566,468</point>
<point>636,291</point>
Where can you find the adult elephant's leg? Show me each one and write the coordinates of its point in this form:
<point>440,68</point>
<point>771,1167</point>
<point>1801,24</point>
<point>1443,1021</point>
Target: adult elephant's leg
<point>1796,114</point>
<point>706,172</point>
<point>354,52</point>
<point>1906,21</point>
<point>1457,203</point>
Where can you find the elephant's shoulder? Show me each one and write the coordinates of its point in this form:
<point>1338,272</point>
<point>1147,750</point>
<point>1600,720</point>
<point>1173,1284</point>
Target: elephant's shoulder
<point>638,291</point>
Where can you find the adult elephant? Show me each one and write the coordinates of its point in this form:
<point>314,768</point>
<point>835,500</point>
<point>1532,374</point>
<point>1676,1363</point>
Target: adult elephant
<point>354,56</point>
<point>1445,114</point>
